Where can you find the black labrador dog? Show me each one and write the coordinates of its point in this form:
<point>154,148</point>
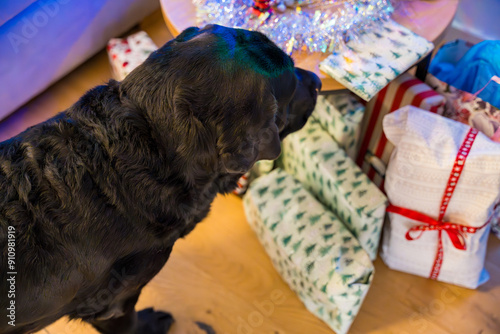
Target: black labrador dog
<point>92,200</point>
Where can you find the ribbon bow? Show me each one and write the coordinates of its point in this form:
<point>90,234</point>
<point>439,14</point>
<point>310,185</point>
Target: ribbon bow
<point>455,231</point>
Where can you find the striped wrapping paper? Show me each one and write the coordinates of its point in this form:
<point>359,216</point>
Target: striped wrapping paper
<point>375,150</point>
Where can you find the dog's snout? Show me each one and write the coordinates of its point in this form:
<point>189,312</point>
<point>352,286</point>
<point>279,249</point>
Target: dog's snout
<point>316,82</point>
<point>315,85</point>
<point>310,80</point>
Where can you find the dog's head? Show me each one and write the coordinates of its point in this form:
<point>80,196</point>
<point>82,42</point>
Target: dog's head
<point>225,93</point>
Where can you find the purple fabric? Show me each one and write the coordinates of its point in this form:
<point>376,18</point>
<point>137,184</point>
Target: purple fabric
<point>50,38</point>
<point>11,8</point>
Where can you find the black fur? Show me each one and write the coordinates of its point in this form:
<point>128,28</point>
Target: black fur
<point>99,194</point>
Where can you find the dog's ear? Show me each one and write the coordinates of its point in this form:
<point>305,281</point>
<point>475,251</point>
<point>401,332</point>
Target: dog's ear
<point>196,136</point>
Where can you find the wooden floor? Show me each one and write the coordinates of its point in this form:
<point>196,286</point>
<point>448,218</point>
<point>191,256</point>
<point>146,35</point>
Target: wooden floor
<point>220,274</point>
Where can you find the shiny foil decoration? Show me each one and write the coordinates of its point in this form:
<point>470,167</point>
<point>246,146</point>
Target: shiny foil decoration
<point>307,26</point>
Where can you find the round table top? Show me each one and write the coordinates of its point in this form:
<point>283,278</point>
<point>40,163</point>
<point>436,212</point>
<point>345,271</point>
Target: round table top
<point>428,18</point>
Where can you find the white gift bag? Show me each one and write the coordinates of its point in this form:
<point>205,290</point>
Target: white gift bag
<point>442,181</point>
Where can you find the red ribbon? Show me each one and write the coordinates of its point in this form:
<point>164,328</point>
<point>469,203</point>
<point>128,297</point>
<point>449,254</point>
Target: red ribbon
<point>456,232</point>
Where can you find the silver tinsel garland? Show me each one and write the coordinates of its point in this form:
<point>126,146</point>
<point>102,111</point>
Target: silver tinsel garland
<point>310,26</point>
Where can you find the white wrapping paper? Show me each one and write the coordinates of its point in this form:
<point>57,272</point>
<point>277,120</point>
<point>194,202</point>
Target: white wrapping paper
<point>426,147</point>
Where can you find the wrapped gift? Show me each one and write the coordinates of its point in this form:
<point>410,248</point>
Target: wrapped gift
<point>467,108</point>
<point>368,64</point>
<point>341,116</point>
<point>261,167</point>
<point>315,159</point>
<point>374,150</point>
<point>442,182</point>
<point>125,54</point>
<point>311,249</point>
<point>242,185</point>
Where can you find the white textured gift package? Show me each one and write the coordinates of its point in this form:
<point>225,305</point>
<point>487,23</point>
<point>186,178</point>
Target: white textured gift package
<point>426,146</point>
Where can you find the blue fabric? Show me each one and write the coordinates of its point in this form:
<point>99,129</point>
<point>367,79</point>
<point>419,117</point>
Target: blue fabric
<point>470,69</point>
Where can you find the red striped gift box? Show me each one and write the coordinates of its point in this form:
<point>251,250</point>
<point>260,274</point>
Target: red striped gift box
<point>374,151</point>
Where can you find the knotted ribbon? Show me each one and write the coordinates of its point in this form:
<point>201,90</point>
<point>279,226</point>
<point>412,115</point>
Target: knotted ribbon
<point>456,232</point>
